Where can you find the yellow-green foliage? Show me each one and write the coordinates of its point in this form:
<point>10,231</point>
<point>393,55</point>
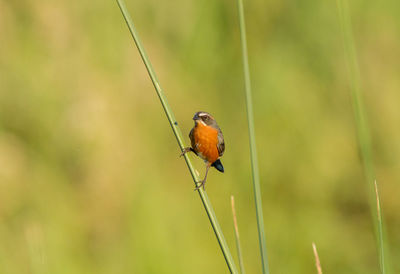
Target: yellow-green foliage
<point>90,175</point>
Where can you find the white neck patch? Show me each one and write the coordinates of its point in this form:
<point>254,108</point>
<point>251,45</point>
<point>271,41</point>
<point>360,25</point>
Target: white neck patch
<point>202,122</point>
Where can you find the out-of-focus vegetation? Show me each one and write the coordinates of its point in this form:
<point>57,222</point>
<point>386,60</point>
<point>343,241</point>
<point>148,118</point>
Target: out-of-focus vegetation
<point>90,178</point>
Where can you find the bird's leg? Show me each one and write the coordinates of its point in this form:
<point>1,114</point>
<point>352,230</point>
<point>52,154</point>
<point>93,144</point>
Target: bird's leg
<point>186,150</point>
<point>202,183</point>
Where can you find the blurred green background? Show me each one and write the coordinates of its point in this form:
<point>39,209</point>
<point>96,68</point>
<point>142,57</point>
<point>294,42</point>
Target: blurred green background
<point>90,175</point>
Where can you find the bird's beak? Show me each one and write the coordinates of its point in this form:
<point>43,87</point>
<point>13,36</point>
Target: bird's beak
<point>196,117</point>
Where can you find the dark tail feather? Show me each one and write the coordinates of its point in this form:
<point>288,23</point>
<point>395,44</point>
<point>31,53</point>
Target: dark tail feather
<point>218,165</point>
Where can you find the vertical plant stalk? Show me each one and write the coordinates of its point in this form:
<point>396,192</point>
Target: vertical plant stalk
<point>317,262</point>
<point>363,134</point>
<point>174,125</point>
<point>238,247</point>
<point>252,137</point>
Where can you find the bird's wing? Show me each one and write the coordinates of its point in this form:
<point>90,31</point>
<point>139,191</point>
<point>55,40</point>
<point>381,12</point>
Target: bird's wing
<point>221,143</point>
<point>192,138</point>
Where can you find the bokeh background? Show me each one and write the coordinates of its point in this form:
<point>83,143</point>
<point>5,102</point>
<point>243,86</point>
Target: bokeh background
<point>90,178</point>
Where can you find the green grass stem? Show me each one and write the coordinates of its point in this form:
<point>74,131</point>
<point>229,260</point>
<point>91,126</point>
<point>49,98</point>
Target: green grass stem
<point>363,134</point>
<point>174,125</point>
<point>238,247</point>
<point>252,137</point>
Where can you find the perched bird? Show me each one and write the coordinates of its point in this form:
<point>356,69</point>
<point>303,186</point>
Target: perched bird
<point>207,142</point>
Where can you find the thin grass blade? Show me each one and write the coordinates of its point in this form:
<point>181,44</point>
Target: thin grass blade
<point>238,247</point>
<point>253,148</point>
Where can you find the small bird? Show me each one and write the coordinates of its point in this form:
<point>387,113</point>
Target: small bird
<point>207,142</point>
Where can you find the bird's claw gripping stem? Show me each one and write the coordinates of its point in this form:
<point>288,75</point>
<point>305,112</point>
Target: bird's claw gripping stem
<point>202,184</point>
<point>185,150</point>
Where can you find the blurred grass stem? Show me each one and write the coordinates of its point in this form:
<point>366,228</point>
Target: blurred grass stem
<point>238,247</point>
<point>252,137</point>
<point>174,125</point>
<point>363,134</point>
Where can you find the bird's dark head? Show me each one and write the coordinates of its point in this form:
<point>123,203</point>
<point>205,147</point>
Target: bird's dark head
<point>204,118</point>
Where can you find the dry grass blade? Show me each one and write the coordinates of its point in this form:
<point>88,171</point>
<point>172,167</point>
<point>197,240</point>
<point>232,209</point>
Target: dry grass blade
<point>317,262</point>
<point>380,227</point>
<point>378,202</point>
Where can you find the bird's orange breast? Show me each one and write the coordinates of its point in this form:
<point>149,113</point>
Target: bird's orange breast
<point>205,142</point>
